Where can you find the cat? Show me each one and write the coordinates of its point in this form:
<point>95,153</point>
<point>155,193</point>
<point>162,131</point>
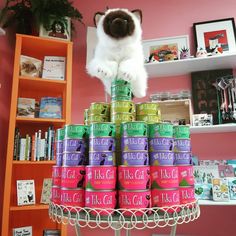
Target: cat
<point>119,52</point>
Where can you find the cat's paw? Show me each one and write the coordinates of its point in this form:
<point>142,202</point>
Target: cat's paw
<point>127,72</point>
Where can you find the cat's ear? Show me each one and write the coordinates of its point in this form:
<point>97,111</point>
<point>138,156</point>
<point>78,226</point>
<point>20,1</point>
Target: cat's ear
<point>138,14</point>
<point>97,17</point>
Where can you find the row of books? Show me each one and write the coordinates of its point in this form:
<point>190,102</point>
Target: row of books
<point>48,107</point>
<point>38,147</point>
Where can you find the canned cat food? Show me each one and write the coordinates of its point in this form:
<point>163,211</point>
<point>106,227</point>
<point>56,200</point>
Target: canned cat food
<point>103,199</point>
<point>161,144</point>
<point>59,158</point>
<point>187,194</point>
<point>100,177</point>
<point>186,177</point>
<point>118,118</point>
<point>74,145</point>
<point>164,177</point>
<point>59,146</point>
<point>122,107</point>
<point>135,158</point>
<point>73,176</point>
<point>157,130</point>
<point>102,158</point>
<point>100,108</point>
<point>147,108</point>
<point>149,118</point>
<point>182,131</point>
<point>102,144</point>
<point>182,145</point>
<point>56,194</point>
<point>161,158</point>
<point>56,175</point>
<point>134,177</point>
<point>119,98</point>
<point>134,144</point>
<point>76,131</point>
<point>134,200</point>
<point>183,158</point>
<point>73,159</point>
<point>120,82</point>
<point>121,91</point>
<point>86,115</point>
<point>94,118</point>
<point>60,134</point>
<point>72,197</point>
<point>102,129</point>
<point>134,128</point>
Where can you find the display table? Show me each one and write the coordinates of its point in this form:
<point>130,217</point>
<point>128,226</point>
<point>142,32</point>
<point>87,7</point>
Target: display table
<point>117,219</point>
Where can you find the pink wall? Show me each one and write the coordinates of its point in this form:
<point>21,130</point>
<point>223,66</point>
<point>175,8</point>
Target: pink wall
<point>163,18</point>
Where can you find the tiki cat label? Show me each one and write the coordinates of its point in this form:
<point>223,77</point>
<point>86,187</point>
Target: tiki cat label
<point>135,128</point>
<point>161,158</point>
<point>161,144</point>
<point>74,145</point>
<point>134,144</point>
<point>72,197</point>
<point>102,158</point>
<point>73,159</point>
<point>102,144</point>
<point>135,158</point>
<point>56,175</point>
<point>186,177</point>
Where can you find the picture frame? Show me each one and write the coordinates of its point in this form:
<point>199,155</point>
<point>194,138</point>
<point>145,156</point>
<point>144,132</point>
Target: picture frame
<point>221,32</point>
<point>165,49</point>
<point>59,29</point>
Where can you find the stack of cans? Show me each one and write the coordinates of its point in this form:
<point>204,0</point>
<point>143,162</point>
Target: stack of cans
<point>97,112</point>
<point>148,111</point>
<point>134,171</point>
<point>101,171</point>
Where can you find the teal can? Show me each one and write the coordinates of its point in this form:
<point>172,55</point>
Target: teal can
<point>121,91</point>
<point>94,118</point>
<point>182,131</point>
<point>164,129</point>
<point>103,129</point>
<point>75,131</point>
<point>60,134</point>
<point>120,82</point>
<point>134,129</point>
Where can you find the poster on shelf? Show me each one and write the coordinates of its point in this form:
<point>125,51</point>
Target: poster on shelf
<point>23,231</point>
<point>25,192</point>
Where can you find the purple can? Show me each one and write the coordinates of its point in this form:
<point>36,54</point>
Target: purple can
<point>129,144</point>
<point>183,158</point>
<point>135,158</point>
<point>161,158</point>
<point>74,145</point>
<point>59,146</point>
<point>182,145</point>
<point>73,159</point>
<point>59,158</point>
<point>102,158</point>
<point>102,144</point>
<point>161,144</point>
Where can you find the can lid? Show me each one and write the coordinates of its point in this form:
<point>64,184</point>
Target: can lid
<point>63,188</point>
<point>102,190</point>
<point>135,191</point>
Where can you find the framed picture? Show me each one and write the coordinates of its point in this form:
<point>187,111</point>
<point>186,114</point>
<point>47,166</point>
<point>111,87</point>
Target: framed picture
<point>59,29</point>
<point>216,33</point>
<point>165,49</point>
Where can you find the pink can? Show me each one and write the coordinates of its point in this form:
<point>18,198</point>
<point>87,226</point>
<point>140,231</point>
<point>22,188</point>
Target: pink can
<point>186,194</point>
<point>164,177</point>
<point>72,176</point>
<point>186,175</point>
<point>56,175</point>
<point>166,198</point>
<point>72,197</point>
<point>100,177</point>
<point>56,195</point>
<point>105,199</point>
<point>134,200</point>
<point>134,177</point>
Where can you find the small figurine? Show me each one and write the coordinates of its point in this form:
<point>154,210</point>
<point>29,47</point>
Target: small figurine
<point>201,52</point>
<point>184,53</point>
<point>217,50</point>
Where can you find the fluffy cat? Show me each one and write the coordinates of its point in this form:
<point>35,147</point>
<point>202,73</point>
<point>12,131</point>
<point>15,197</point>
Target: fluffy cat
<point>119,52</point>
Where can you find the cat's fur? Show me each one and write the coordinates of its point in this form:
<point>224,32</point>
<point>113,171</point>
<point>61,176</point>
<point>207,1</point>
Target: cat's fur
<point>119,52</point>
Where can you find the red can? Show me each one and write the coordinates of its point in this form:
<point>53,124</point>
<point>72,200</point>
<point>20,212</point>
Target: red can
<point>56,195</point>
<point>186,175</point>
<point>186,194</point>
<point>56,175</point>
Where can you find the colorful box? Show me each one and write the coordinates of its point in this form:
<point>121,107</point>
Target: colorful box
<point>220,189</point>
<point>203,191</point>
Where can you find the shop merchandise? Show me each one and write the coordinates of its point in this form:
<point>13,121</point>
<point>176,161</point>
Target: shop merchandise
<point>220,190</point>
<point>26,107</point>
<point>30,66</point>
<point>23,231</point>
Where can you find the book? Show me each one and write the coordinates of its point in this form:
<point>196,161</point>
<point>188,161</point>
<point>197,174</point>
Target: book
<point>220,189</point>
<point>205,174</point>
<point>50,107</point>
<point>26,107</point>
<point>203,191</point>
<point>25,192</point>
<point>46,191</point>
<point>30,66</point>
<point>51,232</point>
<point>226,171</point>
<point>232,188</point>
<point>54,68</point>
<point>23,231</point>
<point>16,144</point>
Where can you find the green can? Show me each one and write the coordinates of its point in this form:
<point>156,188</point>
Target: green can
<point>120,82</point>
<point>164,129</point>
<point>147,108</point>
<point>149,118</point>
<point>122,107</point>
<point>98,118</point>
<point>76,131</point>
<point>118,118</point>
<point>86,114</point>
<point>121,91</point>
<point>135,128</point>
<point>119,98</point>
<point>99,108</point>
<point>60,134</point>
<point>103,129</point>
<point>182,131</point>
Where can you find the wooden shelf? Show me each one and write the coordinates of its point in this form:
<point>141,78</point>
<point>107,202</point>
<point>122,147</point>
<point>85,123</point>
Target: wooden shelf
<point>186,66</point>
<point>214,203</point>
<point>34,162</point>
<point>39,120</point>
<point>29,207</point>
<point>213,129</point>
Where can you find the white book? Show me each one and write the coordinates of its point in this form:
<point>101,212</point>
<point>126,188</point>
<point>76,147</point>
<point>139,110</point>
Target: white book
<point>46,191</point>
<point>23,231</point>
<point>42,149</point>
<point>38,146</point>
<point>25,192</point>
<point>22,149</point>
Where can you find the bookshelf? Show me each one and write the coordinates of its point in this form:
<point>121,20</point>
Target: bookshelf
<point>30,87</point>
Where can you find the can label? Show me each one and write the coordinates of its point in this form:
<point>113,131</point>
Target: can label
<point>120,82</point>
<point>72,197</point>
<point>102,130</point>
<point>100,177</point>
<point>186,177</point>
<point>182,145</point>
<point>182,131</point>
<point>100,108</point>
<point>102,144</point>
<point>157,130</point>
<point>134,177</point>
<point>149,118</point>
<point>164,177</point>
<point>161,158</point>
<point>60,134</point>
<point>122,117</point>
<point>187,194</point>
<point>59,146</point>
<point>161,144</point>
<point>56,195</point>
<point>122,107</point>
<point>135,158</point>
<point>183,158</point>
<point>59,158</point>
<point>74,145</point>
<point>119,98</point>
<point>76,131</point>
<point>73,177</point>
<point>102,158</point>
<point>136,128</point>
<point>129,144</point>
<point>56,175</point>
<point>102,200</point>
<point>148,108</point>
<point>97,118</point>
<point>122,91</point>
<point>73,159</point>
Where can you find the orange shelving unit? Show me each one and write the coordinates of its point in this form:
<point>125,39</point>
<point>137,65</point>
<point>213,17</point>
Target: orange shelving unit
<point>34,215</point>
